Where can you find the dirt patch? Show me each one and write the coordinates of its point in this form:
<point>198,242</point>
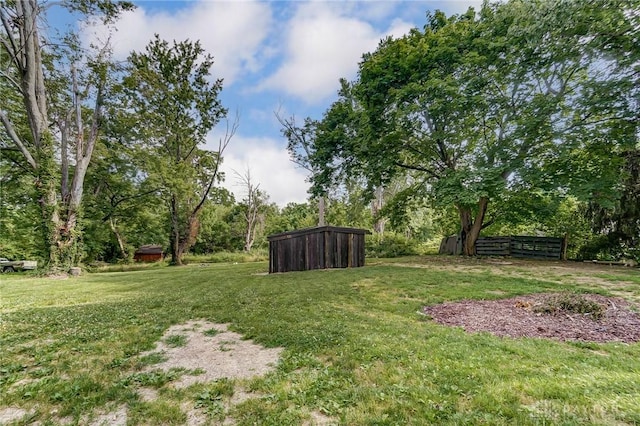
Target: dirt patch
<point>214,353</point>
<point>319,419</point>
<point>12,414</point>
<point>213,350</point>
<point>525,316</point>
<point>208,350</point>
<point>114,418</point>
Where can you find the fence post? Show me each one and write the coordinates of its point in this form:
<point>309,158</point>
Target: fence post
<point>565,244</point>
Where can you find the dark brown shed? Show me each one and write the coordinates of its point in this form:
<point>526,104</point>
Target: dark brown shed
<point>148,253</point>
<point>316,248</point>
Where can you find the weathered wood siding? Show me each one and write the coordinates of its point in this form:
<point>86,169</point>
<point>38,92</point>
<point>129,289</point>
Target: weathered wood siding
<point>451,245</point>
<point>520,247</point>
<point>147,257</point>
<point>493,246</point>
<point>316,248</point>
<point>148,253</point>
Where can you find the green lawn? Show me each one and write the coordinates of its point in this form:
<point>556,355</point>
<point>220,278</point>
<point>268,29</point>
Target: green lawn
<point>356,348</point>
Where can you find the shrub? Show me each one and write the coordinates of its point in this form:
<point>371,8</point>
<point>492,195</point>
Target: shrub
<point>572,304</point>
<point>389,245</point>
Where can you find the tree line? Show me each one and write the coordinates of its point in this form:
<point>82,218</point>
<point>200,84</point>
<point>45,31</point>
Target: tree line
<point>518,117</point>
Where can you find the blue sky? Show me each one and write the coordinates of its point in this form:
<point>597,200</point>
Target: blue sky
<point>278,55</point>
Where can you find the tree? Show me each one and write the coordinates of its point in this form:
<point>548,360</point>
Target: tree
<point>292,216</point>
<point>220,224</point>
<point>618,226</point>
<point>173,106</point>
<point>121,205</point>
<point>473,107</point>
<point>253,208</point>
<point>75,100</point>
<point>301,146</point>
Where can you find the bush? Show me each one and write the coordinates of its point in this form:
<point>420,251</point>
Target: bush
<point>571,304</point>
<point>607,247</point>
<point>390,245</point>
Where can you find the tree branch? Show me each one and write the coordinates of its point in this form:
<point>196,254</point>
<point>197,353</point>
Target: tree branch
<point>222,145</point>
<point>122,200</point>
<point>11,46</point>
<point>11,80</point>
<point>16,140</point>
<point>417,168</point>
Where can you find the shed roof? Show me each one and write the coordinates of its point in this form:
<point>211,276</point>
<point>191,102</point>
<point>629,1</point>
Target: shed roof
<point>149,249</point>
<point>315,230</point>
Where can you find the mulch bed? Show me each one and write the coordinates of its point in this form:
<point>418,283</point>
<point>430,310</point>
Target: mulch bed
<point>518,317</point>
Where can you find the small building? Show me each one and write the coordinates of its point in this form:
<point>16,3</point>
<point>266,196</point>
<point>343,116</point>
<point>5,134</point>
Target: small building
<point>321,247</point>
<point>148,253</point>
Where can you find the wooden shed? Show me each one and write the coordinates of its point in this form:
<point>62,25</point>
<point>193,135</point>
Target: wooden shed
<point>148,253</point>
<point>316,248</point>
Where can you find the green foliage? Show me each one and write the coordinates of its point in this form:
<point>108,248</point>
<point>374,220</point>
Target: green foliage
<point>390,245</point>
<point>221,226</point>
<point>176,340</point>
<point>484,108</point>
<point>121,207</point>
<point>19,236</point>
<point>153,358</point>
<point>211,398</point>
<point>155,378</point>
<point>171,106</point>
<point>293,216</point>
<point>617,225</point>
<point>211,332</point>
<point>571,303</point>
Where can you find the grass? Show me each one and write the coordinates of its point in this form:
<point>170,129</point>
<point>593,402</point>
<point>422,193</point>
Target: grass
<point>176,340</point>
<point>562,303</point>
<point>356,350</point>
<point>255,255</point>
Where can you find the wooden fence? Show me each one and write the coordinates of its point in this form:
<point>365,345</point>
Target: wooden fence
<point>316,248</point>
<point>521,247</point>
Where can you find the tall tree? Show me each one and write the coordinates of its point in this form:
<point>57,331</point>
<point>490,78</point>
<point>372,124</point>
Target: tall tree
<point>76,99</point>
<point>173,107</point>
<point>473,106</point>
<point>253,204</point>
<point>301,146</point>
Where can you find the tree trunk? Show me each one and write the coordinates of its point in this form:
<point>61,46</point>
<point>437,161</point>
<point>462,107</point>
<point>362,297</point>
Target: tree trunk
<point>118,235</point>
<point>183,235</point>
<point>376,206</point>
<point>174,239</point>
<point>248,240</point>
<point>60,210</point>
<point>60,232</point>
<point>321,210</point>
<point>470,227</point>
<point>190,236</point>
<point>250,217</point>
<point>59,219</point>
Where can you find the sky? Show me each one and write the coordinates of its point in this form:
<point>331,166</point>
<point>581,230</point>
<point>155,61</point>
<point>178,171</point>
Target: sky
<point>285,56</point>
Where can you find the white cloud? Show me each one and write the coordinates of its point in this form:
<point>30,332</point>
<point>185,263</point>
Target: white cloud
<point>232,32</point>
<point>453,7</point>
<point>323,45</point>
<point>269,164</point>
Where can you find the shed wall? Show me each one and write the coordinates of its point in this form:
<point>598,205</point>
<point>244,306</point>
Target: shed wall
<point>147,257</point>
<point>316,248</point>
